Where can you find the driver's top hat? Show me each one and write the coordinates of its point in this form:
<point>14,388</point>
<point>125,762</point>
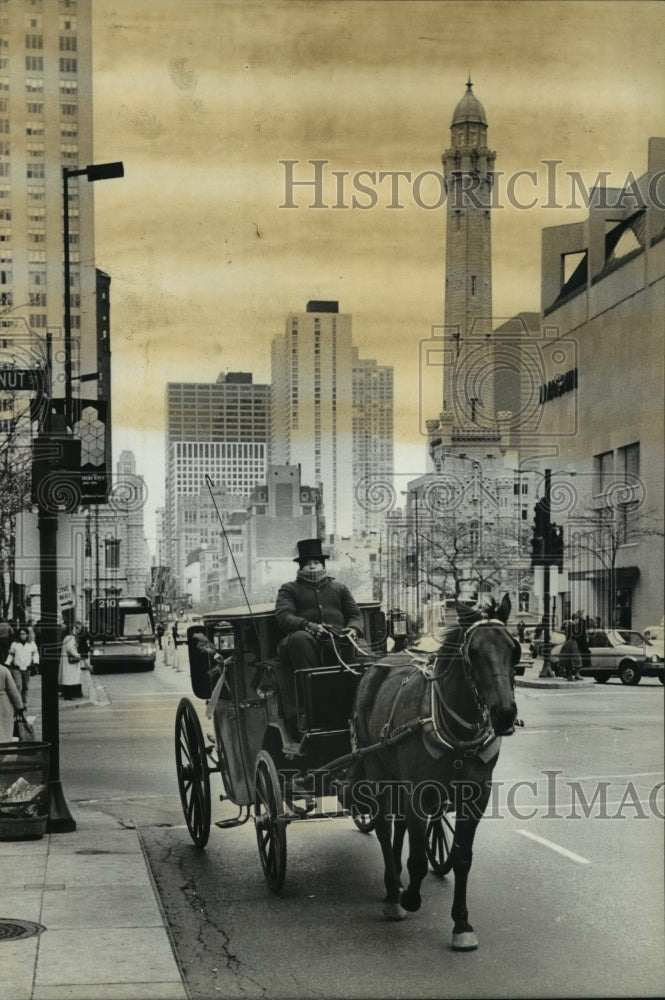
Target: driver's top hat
<point>309,548</point>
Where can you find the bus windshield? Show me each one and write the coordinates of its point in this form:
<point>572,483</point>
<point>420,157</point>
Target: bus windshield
<point>134,625</point>
<point>128,618</point>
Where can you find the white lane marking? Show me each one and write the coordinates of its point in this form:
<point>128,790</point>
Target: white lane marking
<point>555,847</point>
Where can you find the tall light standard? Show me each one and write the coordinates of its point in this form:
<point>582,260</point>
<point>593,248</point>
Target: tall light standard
<point>93,172</point>
<point>60,819</point>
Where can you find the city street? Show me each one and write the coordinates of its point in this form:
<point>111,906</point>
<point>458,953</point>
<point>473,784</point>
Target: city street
<point>565,892</point>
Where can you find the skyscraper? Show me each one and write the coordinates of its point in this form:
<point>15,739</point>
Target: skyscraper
<point>312,423</point>
<point>45,125</point>
<point>332,414</point>
<point>373,444</point>
<point>220,429</point>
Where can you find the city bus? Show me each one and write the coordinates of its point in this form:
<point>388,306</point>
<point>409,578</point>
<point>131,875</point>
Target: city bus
<point>122,631</point>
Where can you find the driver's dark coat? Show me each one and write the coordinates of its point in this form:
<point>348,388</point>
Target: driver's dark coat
<point>329,603</point>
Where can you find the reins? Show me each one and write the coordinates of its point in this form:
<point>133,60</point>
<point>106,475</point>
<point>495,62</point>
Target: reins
<point>434,725</point>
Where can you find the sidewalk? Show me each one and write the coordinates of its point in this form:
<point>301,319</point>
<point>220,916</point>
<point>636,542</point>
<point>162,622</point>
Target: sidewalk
<point>80,918</point>
<point>531,678</point>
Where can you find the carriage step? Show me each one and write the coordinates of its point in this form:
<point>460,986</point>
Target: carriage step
<point>228,824</point>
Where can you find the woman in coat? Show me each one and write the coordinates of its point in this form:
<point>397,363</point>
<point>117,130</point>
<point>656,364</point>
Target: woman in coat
<point>10,703</point>
<point>69,675</point>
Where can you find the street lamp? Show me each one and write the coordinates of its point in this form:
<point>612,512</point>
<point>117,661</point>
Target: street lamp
<point>93,172</point>
<point>60,820</point>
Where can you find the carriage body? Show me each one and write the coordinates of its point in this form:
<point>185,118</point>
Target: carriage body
<point>246,707</point>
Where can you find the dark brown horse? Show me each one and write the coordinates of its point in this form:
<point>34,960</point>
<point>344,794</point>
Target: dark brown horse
<point>435,735</point>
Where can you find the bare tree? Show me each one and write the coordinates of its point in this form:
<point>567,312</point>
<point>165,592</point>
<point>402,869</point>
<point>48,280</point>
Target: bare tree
<point>600,533</point>
<point>456,550</point>
<point>15,482</point>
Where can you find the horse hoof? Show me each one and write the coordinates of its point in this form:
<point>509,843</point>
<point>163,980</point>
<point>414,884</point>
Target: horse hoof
<point>410,901</point>
<point>393,911</point>
<point>466,941</point>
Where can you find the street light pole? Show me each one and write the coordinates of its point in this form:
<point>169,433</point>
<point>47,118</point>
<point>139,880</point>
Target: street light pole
<point>93,172</point>
<point>59,819</point>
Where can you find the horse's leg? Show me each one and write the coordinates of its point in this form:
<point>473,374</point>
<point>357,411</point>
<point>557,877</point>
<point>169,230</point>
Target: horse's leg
<point>466,824</point>
<point>399,832</point>
<point>417,861</point>
<point>383,829</point>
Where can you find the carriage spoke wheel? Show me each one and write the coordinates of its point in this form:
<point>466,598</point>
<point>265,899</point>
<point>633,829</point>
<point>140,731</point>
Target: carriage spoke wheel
<point>269,822</point>
<point>440,833</point>
<point>193,775</point>
<point>363,820</point>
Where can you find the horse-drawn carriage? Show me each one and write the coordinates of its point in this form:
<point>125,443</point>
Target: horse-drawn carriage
<point>282,771</point>
<point>269,767</point>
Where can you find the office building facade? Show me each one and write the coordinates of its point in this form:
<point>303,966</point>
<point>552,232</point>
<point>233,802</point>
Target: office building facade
<point>220,430</point>
<point>331,414</point>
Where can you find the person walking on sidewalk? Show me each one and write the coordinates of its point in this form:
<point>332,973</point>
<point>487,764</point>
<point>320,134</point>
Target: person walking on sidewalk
<point>69,674</point>
<point>22,656</point>
<point>11,704</point>
<point>160,633</point>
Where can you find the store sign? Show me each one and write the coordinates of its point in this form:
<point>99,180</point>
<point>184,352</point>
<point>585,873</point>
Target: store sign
<point>558,386</point>
<point>21,379</point>
<point>65,598</point>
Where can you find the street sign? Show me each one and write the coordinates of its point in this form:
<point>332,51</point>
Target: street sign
<point>21,379</point>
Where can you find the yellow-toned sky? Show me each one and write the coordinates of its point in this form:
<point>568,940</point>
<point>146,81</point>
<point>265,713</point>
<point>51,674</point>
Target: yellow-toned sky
<point>202,99</point>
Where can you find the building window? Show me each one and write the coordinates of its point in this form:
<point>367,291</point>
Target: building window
<point>603,469</point>
<point>112,553</point>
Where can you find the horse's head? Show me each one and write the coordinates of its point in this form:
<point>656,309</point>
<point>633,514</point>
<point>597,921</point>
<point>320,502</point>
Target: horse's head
<point>491,654</point>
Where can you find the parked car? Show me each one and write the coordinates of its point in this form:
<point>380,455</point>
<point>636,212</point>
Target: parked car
<point>617,652</point>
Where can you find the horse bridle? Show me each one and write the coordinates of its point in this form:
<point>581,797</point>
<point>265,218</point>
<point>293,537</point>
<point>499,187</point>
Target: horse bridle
<point>484,729</point>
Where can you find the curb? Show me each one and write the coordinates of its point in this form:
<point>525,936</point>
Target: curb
<point>553,682</point>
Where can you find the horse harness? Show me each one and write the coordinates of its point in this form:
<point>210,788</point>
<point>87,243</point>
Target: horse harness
<point>436,734</point>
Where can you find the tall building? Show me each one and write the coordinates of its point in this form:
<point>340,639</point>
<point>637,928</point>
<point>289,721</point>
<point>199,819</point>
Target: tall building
<point>45,125</point>
<point>321,420</point>
<point>373,447</point>
<point>465,521</point>
<point>604,407</point>
<point>219,429</point>
<point>468,166</point>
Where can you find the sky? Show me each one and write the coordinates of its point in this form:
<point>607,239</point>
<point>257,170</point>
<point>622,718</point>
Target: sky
<point>202,100</point>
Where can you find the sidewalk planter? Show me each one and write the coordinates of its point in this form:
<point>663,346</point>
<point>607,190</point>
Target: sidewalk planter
<point>24,789</point>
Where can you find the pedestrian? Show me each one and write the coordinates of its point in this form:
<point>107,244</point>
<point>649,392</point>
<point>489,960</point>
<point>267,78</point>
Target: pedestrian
<point>22,656</point>
<point>84,645</point>
<point>69,674</point>
<point>11,704</point>
<point>32,635</point>
<point>570,660</point>
<point>160,633</point>
<point>5,639</point>
<point>174,633</point>
<point>579,633</point>
<point>521,630</point>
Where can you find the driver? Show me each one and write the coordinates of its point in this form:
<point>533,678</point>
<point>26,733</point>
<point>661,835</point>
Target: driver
<point>303,607</point>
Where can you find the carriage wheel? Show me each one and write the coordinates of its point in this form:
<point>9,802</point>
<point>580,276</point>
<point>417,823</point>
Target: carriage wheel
<point>364,820</point>
<point>270,826</point>
<point>191,762</point>
<point>440,833</point>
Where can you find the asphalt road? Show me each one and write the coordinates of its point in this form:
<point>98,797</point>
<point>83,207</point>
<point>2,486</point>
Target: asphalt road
<point>565,893</point>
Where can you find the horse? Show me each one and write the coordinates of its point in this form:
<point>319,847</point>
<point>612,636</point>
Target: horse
<point>433,731</point>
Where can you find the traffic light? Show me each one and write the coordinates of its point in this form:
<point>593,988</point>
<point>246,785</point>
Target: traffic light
<point>540,534</point>
<point>555,548</point>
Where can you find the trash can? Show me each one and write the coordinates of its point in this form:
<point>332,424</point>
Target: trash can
<point>24,789</point>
